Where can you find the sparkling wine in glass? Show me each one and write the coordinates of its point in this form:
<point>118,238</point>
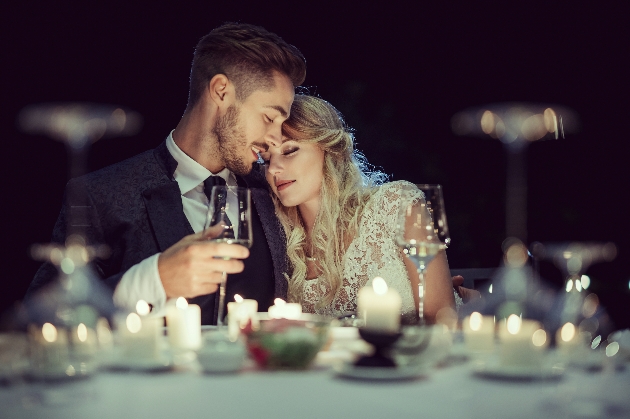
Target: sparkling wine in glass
<point>230,206</point>
<point>422,230</point>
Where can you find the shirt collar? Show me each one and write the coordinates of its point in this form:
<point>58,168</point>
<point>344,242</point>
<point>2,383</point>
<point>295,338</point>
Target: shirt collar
<point>189,174</point>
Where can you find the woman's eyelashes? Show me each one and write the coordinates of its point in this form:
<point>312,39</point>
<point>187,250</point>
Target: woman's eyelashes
<point>290,150</point>
<point>265,158</point>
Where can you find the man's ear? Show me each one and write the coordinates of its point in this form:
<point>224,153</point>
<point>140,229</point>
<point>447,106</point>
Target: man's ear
<point>221,91</point>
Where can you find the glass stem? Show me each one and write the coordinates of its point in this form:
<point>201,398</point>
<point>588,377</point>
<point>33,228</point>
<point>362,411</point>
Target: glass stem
<point>421,296</point>
<point>220,322</point>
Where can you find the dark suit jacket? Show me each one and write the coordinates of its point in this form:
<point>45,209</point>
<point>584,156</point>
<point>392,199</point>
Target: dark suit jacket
<point>135,208</point>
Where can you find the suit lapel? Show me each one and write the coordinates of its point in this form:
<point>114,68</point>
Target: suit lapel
<point>166,213</point>
<point>164,204</point>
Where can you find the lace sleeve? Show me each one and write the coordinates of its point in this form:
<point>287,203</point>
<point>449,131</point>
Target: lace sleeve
<point>389,199</point>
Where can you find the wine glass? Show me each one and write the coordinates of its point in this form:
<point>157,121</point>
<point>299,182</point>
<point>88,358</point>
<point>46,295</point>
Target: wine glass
<point>422,230</point>
<point>229,206</point>
<point>573,259</point>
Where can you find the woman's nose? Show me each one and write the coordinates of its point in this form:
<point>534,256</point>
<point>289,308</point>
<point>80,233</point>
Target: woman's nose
<point>274,166</point>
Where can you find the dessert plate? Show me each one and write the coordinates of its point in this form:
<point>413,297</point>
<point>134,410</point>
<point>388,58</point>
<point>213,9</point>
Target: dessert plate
<point>503,372</point>
<point>348,370</point>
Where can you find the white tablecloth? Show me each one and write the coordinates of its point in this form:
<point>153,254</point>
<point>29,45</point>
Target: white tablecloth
<point>449,392</point>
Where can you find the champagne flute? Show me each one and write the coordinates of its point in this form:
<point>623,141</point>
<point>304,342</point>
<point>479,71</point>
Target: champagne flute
<point>422,230</point>
<point>229,206</point>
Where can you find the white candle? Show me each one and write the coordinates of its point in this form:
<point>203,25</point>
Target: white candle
<point>84,343</point>
<point>573,344</point>
<point>240,312</point>
<point>184,324</point>
<point>50,352</point>
<point>522,342</point>
<point>379,307</point>
<point>140,334</point>
<point>284,310</point>
<point>479,332</point>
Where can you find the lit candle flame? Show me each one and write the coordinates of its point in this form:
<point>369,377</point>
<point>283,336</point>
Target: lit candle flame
<point>82,332</point>
<point>181,303</point>
<point>142,307</point>
<point>379,285</point>
<point>513,324</point>
<point>476,319</point>
<point>279,301</point>
<point>49,332</point>
<point>238,298</point>
<point>567,332</point>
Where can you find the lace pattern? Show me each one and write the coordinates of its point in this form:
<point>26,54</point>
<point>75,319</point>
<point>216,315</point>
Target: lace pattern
<point>372,253</point>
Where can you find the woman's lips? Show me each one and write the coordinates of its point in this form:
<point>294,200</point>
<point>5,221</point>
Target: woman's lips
<point>284,184</point>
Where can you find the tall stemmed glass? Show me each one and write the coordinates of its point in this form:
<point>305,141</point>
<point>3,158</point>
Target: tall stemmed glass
<point>422,230</point>
<point>231,207</point>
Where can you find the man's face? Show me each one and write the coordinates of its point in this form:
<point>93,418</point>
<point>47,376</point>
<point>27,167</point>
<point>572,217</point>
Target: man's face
<point>247,127</point>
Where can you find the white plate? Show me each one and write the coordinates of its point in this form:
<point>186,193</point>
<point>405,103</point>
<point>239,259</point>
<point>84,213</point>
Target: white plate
<point>347,370</point>
<point>162,363</point>
<point>502,372</point>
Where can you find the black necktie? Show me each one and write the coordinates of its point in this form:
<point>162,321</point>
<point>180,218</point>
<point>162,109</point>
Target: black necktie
<point>219,214</point>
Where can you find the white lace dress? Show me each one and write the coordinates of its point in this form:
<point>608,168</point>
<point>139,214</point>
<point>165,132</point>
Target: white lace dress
<point>373,252</point>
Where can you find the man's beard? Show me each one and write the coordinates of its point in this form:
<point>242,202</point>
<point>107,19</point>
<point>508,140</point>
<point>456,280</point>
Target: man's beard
<point>232,141</point>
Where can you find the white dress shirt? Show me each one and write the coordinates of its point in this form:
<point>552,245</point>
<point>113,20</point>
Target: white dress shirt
<point>142,281</point>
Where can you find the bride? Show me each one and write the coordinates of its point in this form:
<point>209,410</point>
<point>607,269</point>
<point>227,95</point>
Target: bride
<point>340,218</point>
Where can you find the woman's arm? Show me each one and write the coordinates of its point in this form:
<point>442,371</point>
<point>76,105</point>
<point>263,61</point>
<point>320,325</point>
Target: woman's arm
<point>438,285</point>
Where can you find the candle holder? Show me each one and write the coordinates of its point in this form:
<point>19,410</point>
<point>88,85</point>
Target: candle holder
<point>381,341</point>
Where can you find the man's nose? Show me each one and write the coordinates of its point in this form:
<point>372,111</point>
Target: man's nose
<point>273,137</point>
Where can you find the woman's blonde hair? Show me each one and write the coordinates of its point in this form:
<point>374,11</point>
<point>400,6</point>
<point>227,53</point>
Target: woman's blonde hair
<point>347,185</point>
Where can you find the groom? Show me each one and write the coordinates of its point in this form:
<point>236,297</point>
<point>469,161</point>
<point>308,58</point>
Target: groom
<point>150,209</point>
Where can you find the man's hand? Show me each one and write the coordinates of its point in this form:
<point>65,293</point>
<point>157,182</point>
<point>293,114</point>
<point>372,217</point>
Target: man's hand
<point>466,293</point>
<point>193,266</point>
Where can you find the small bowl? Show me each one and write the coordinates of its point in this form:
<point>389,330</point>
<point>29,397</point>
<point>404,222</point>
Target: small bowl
<point>288,344</point>
<point>219,354</point>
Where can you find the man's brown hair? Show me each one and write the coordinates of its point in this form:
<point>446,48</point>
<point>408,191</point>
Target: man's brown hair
<point>247,55</point>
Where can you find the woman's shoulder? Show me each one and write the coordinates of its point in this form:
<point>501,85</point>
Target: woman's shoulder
<point>386,198</point>
<point>392,191</point>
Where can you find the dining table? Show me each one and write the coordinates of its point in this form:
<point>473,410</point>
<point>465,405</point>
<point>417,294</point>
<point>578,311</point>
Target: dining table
<point>451,389</point>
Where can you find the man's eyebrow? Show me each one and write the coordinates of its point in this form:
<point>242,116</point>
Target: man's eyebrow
<point>279,109</point>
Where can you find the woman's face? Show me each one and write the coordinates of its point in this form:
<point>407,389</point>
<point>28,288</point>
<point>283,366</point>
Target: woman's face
<point>295,171</point>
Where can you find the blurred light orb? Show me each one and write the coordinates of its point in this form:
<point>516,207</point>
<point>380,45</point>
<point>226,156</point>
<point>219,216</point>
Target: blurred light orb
<point>569,285</point>
<point>586,281</point>
<point>596,342</point>
<point>134,323</point>
<point>516,255</point>
<point>238,298</point>
<point>67,265</point>
<point>612,349</point>
<point>534,128</point>
<point>550,120</point>
<point>590,305</point>
<point>539,337</point>
<point>142,307</point>
<point>476,320</point>
<point>589,325</point>
<point>82,332</point>
<point>578,285</point>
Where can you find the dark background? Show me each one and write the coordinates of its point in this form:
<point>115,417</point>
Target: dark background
<point>397,72</point>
